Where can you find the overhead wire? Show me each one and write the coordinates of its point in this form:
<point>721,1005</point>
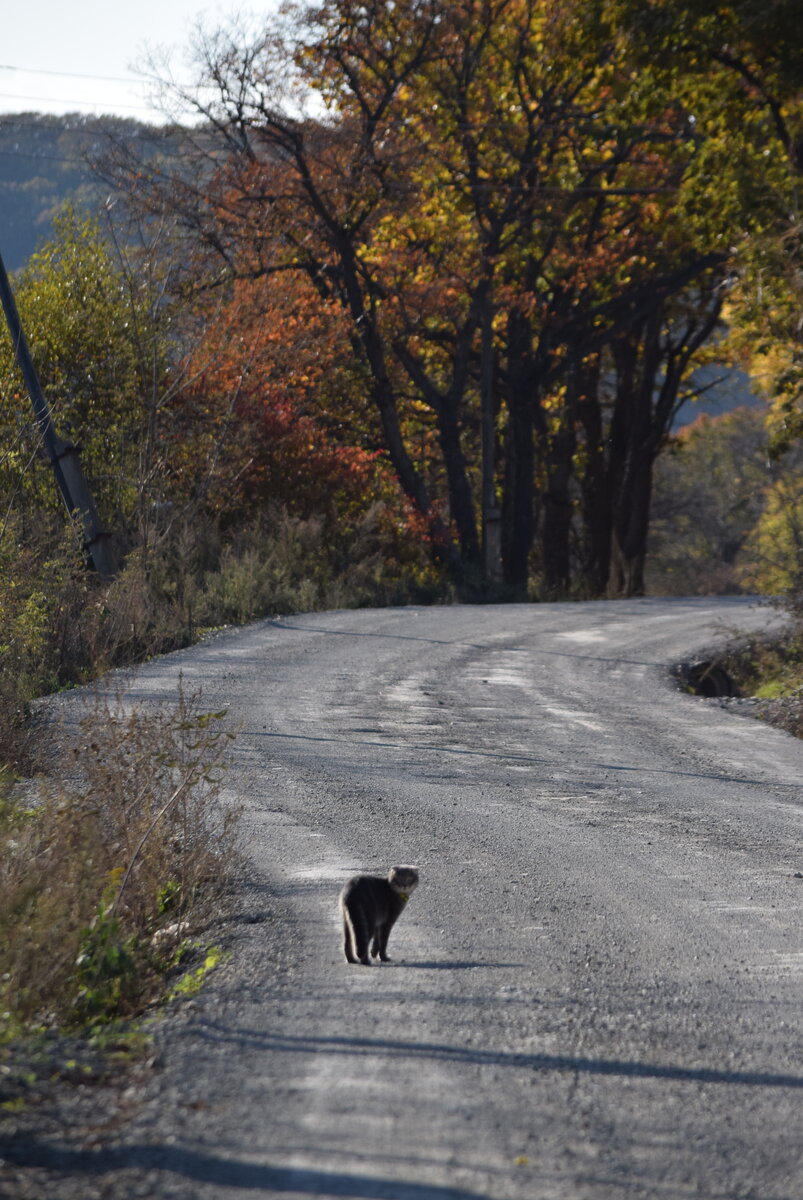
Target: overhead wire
<point>76,74</point>
<point>130,80</point>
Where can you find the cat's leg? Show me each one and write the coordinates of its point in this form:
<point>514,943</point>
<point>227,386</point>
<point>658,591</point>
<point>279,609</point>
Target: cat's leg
<point>362,936</point>
<point>382,941</point>
<point>348,945</point>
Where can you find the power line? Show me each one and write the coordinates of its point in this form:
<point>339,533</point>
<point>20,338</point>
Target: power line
<point>77,74</point>
<point>62,100</point>
<point>130,80</point>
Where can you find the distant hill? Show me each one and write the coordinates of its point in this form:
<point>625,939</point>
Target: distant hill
<point>43,162</point>
<point>726,388</point>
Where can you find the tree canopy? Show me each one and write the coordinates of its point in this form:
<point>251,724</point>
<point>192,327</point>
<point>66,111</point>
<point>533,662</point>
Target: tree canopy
<point>514,230</point>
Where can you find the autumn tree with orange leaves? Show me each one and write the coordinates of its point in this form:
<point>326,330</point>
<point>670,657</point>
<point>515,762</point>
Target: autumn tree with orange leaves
<point>251,413</point>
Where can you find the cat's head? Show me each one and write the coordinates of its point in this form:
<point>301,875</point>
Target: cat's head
<point>403,880</point>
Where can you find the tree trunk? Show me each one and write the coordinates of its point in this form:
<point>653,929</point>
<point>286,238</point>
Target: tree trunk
<point>557,509</point>
<point>595,551</point>
<point>634,443</point>
<point>461,499</point>
<point>518,500</point>
<point>369,343</point>
<point>629,533</point>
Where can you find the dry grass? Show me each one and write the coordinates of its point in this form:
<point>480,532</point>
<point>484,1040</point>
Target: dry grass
<point>103,874</point>
<point>60,625</point>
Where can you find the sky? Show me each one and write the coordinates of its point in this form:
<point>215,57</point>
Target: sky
<point>57,57</point>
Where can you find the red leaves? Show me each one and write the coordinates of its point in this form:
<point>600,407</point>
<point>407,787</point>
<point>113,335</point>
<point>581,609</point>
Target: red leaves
<point>258,422</point>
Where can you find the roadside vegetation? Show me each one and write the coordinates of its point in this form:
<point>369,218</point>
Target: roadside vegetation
<point>113,850</point>
<point>104,857</point>
<point>769,669</point>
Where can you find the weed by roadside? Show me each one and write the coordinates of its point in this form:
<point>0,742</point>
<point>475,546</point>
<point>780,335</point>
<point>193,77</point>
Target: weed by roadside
<point>768,667</point>
<point>770,670</point>
<point>106,869</point>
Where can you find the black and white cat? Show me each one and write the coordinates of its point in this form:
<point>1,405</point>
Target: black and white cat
<point>370,907</point>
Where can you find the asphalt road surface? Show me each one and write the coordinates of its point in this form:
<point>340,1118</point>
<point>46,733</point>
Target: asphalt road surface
<point>596,989</point>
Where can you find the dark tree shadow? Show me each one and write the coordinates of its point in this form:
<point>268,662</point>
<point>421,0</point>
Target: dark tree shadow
<point>454,966</point>
<point>223,1172</point>
<point>439,1052</point>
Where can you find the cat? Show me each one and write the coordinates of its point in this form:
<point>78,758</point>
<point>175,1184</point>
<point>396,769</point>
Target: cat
<point>370,907</point>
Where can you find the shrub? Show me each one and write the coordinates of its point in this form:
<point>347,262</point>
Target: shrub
<point>93,871</point>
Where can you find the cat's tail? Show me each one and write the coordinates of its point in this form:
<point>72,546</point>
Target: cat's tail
<point>356,932</point>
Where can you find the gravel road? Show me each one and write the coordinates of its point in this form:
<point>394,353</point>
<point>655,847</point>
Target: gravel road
<point>596,989</point>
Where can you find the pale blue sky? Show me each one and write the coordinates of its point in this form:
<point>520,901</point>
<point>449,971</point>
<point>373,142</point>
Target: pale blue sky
<point>57,57</point>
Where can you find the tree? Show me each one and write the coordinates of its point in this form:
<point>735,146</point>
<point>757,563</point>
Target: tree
<point>257,422</point>
<point>739,68</point>
<point>506,206</point>
<point>774,550</point>
<point>99,353</point>
<point>542,176</point>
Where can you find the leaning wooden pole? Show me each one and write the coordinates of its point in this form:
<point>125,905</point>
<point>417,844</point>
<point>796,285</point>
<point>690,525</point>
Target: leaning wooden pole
<point>63,456</point>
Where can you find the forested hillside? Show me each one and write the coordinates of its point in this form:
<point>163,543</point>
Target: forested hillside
<point>44,162</point>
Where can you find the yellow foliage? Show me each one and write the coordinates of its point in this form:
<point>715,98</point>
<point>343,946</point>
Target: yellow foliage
<point>774,550</point>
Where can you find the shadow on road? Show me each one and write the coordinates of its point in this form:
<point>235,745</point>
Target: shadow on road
<point>513,756</point>
<point>279,1042</point>
<point>222,1172</point>
<point>454,966</point>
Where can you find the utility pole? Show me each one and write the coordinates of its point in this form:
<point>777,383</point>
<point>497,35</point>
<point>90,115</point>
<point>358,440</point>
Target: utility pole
<point>63,455</point>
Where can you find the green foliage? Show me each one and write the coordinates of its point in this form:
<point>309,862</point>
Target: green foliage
<point>168,896</point>
<point>739,69</point>
<point>105,967</point>
<point>44,593</point>
<point>727,516</point>
<point>767,333</point>
<point>774,551</point>
<point>95,343</point>
<point>771,669</point>
<point>192,982</point>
